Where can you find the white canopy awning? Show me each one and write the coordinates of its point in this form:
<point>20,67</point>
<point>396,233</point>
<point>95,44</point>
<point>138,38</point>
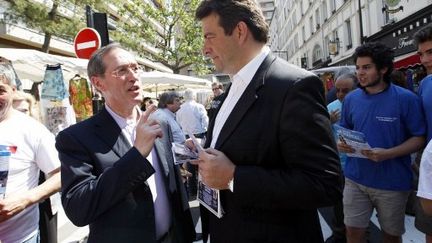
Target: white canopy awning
<point>31,64</point>
<point>158,81</point>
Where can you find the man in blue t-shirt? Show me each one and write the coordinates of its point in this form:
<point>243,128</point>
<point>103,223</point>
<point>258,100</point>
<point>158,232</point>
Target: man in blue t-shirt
<point>392,121</point>
<point>423,40</point>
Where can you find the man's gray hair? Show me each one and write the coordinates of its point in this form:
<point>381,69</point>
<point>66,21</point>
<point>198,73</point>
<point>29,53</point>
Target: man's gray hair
<point>167,98</point>
<point>7,74</point>
<point>96,65</point>
<point>189,94</point>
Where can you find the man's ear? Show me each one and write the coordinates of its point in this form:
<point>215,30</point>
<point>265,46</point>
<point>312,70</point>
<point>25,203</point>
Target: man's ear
<point>242,31</point>
<point>97,83</point>
<point>383,70</point>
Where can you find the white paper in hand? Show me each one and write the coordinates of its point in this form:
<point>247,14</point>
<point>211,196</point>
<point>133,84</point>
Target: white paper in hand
<point>195,142</point>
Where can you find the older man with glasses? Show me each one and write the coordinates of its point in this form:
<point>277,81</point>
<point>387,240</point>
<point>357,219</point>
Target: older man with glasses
<point>118,172</point>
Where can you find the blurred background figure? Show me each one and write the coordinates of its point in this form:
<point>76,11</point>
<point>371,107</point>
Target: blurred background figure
<point>146,102</point>
<point>169,104</point>
<point>344,84</point>
<point>192,117</point>
<point>218,90</point>
<point>398,77</point>
<point>26,103</point>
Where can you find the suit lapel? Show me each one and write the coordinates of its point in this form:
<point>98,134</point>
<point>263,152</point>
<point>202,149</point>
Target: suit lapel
<point>246,100</point>
<point>110,133</point>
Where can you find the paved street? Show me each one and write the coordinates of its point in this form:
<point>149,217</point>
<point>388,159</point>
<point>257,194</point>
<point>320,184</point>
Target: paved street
<point>68,233</point>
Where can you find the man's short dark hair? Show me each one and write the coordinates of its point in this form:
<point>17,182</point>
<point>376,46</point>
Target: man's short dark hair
<point>231,12</point>
<point>382,56</point>
<point>218,85</point>
<point>422,35</point>
<point>167,98</point>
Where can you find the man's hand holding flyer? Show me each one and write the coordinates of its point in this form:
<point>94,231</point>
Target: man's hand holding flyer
<point>207,196</point>
<point>354,139</point>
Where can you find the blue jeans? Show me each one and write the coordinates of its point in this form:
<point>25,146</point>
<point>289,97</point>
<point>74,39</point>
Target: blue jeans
<point>34,239</point>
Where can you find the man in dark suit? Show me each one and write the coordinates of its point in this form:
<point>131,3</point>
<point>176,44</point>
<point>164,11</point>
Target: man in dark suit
<point>118,173</point>
<point>272,152</point>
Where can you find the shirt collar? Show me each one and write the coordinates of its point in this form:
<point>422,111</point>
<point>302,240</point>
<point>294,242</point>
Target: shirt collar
<point>168,112</point>
<point>248,71</point>
<point>121,121</point>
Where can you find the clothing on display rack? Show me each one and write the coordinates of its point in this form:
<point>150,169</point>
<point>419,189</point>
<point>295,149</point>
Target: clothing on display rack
<point>80,97</point>
<point>53,87</point>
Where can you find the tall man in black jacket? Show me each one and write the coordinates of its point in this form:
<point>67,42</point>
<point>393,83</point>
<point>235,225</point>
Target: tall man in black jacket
<point>272,151</point>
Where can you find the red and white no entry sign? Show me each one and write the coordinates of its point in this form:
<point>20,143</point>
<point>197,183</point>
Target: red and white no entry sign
<point>86,42</point>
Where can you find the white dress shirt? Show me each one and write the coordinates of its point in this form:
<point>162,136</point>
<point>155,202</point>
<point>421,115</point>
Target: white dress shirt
<point>240,81</point>
<point>192,117</point>
<point>155,181</point>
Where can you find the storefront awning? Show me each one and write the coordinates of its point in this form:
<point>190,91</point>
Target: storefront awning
<point>407,62</point>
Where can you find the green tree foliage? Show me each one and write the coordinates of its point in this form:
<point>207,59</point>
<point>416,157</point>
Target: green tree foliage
<point>177,37</point>
<point>49,20</point>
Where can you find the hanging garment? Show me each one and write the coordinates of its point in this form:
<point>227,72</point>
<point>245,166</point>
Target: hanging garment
<point>53,86</point>
<point>80,98</point>
<point>57,115</point>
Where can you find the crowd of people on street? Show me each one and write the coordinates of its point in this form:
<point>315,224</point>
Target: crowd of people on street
<point>272,148</point>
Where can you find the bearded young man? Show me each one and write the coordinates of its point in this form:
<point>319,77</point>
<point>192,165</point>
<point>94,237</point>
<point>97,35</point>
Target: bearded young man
<point>392,121</point>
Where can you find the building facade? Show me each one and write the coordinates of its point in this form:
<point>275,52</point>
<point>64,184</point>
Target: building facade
<point>18,35</point>
<point>320,33</point>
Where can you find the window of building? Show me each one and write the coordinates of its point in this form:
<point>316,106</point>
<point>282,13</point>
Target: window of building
<point>324,10</point>
<point>304,33</point>
<point>333,6</point>
<point>348,34</point>
<point>311,25</point>
<point>301,9</point>
<point>317,18</point>
<point>317,53</point>
<point>327,42</point>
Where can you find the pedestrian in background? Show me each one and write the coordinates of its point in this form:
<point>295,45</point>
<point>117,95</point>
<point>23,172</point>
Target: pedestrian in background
<point>169,104</point>
<point>32,150</point>
<point>218,92</point>
<point>392,121</point>
<point>423,222</point>
<point>344,84</point>
<point>193,119</point>
<point>48,208</point>
<point>270,148</point>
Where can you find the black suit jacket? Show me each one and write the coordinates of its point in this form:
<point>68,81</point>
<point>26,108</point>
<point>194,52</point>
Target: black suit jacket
<point>104,183</point>
<point>280,139</point>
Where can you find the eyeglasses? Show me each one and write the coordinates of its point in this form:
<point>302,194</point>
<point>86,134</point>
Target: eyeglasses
<point>215,89</point>
<point>122,71</point>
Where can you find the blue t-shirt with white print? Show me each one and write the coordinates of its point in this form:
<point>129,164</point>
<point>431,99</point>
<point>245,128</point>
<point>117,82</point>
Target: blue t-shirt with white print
<point>387,119</point>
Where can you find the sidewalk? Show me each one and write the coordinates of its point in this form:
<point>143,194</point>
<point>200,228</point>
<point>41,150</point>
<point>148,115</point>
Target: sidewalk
<point>69,233</point>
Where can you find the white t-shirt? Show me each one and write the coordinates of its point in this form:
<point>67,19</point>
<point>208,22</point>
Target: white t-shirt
<point>425,182</point>
<point>35,151</point>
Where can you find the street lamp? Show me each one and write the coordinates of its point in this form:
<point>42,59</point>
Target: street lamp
<point>333,46</point>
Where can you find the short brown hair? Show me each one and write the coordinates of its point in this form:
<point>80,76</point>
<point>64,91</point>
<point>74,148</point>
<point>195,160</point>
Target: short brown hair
<point>231,12</point>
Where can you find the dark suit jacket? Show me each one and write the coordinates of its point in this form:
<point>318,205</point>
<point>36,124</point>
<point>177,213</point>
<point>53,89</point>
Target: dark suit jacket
<point>279,136</point>
<point>104,183</point>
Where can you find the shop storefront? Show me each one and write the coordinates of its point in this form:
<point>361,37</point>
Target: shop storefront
<point>399,36</point>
